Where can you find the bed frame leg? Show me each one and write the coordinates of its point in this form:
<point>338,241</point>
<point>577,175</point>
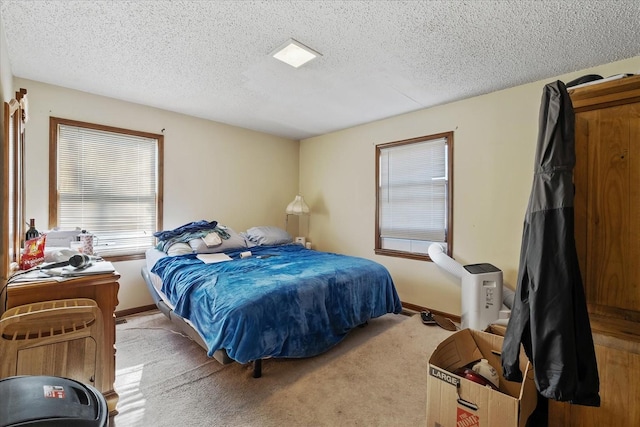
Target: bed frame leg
<point>257,368</point>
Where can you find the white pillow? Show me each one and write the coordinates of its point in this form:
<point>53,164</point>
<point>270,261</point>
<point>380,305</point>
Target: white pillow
<point>179,249</point>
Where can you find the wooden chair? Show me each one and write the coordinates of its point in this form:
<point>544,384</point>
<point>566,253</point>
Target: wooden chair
<point>62,338</point>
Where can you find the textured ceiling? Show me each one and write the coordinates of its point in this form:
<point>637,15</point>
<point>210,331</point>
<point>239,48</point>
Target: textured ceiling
<point>379,58</point>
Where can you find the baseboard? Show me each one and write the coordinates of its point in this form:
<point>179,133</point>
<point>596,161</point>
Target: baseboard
<point>135,310</point>
<point>407,306</point>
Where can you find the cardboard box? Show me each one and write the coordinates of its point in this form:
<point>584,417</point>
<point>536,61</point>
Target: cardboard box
<point>453,401</point>
<point>496,329</point>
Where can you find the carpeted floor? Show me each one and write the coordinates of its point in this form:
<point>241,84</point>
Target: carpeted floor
<point>375,377</point>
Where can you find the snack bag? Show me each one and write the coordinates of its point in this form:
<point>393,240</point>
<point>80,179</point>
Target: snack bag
<point>33,253</point>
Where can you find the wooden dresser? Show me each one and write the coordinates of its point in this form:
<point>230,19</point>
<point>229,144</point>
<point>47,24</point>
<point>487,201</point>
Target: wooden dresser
<point>103,289</point>
<point>607,228</point>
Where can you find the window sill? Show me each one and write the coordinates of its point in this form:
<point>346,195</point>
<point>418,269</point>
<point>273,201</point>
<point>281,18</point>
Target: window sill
<point>401,254</point>
<point>124,257</point>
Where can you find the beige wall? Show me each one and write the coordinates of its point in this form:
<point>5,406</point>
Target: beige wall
<point>494,145</point>
<point>212,171</point>
<point>6,90</point>
<point>245,178</point>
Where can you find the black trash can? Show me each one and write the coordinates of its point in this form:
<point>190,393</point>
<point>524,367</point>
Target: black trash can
<point>50,401</point>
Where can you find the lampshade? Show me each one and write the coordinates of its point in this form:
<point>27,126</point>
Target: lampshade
<point>297,207</point>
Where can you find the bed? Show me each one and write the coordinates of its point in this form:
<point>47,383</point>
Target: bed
<point>268,300</point>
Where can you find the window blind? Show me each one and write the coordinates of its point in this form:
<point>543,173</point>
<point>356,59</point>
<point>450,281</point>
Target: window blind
<point>413,191</point>
<point>107,185</point>
<point>12,200</point>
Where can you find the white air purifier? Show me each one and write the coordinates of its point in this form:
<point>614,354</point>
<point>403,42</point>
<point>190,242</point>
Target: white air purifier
<point>482,289</point>
<point>481,299</point>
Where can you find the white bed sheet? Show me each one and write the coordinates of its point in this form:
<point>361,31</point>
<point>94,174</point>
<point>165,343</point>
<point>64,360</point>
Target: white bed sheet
<point>152,256</point>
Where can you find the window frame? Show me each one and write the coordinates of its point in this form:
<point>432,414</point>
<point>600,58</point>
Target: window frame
<point>13,204</point>
<point>53,171</point>
<point>378,249</point>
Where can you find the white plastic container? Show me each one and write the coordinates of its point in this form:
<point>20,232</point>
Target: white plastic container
<point>484,368</point>
<point>87,242</point>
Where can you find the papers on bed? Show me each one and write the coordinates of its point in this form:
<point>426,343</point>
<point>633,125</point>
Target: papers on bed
<point>213,258</point>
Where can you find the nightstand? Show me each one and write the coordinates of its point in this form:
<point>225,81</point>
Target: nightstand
<point>103,289</point>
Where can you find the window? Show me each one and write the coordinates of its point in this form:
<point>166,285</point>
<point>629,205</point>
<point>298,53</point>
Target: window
<point>107,181</point>
<point>414,195</point>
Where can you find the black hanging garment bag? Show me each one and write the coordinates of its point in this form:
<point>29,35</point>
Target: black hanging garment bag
<point>549,316</point>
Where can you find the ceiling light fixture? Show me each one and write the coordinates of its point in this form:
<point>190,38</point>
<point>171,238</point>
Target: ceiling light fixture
<point>295,53</point>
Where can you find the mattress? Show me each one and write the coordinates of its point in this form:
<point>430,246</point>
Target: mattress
<point>282,301</point>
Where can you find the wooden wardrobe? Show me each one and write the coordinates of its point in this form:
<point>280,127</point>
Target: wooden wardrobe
<point>607,232</point>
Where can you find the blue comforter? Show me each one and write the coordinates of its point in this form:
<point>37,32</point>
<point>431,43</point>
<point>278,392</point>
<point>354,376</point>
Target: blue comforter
<point>293,302</point>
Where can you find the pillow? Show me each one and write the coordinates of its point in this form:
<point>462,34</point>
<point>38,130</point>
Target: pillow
<point>179,249</point>
<point>234,242</point>
<point>212,239</point>
<point>268,235</point>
